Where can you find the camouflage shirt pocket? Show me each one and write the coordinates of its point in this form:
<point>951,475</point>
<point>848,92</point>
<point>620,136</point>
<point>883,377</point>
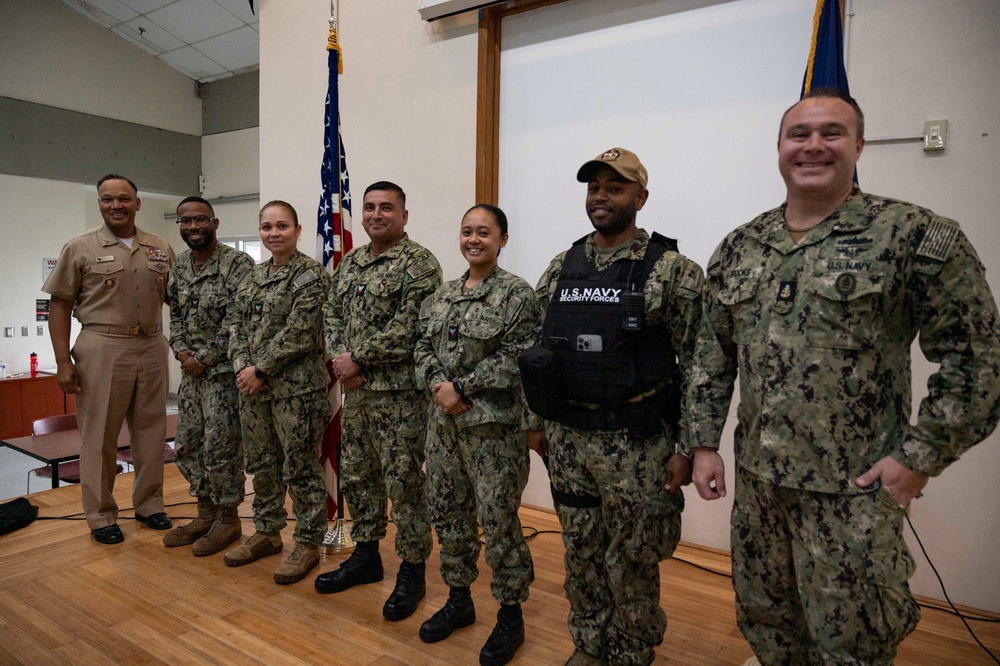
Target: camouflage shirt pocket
<point>737,316</point>
<point>841,310</point>
<point>482,331</point>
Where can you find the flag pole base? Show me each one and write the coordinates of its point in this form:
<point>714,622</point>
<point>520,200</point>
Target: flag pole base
<point>338,538</point>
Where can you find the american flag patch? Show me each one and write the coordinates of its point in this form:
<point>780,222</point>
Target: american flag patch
<point>938,240</point>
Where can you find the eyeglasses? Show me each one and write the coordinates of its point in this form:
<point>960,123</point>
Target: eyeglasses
<point>196,221</point>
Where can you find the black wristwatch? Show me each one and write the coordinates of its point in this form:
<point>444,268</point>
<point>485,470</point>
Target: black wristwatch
<point>258,374</point>
<point>460,390</point>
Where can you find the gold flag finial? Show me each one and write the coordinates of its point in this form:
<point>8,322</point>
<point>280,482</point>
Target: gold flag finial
<point>332,44</point>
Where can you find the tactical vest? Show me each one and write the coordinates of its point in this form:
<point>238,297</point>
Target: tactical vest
<point>598,350</point>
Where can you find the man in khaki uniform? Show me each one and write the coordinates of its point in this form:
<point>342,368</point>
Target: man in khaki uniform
<point>113,278</point>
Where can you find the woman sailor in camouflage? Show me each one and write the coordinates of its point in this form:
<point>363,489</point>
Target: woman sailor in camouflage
<point>276,347</point>
<point>473,330</point>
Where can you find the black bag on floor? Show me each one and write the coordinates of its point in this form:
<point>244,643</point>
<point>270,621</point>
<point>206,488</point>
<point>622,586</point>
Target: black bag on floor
<point>16,514</point>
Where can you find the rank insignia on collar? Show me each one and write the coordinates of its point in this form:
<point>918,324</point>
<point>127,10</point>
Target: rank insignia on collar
<point>360,290</point>
<point>786,291</point>
<point>258,309</point>
<point>452,332</point>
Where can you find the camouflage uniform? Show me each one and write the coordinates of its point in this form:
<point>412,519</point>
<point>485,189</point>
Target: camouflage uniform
<point>372,313</point>
<point>477,462</point>
<point>819,334</point>
<point>613,551</point>
<point>277,327</point>
<point>208,444</point>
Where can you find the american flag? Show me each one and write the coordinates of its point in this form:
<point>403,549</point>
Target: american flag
<point>333,240</point>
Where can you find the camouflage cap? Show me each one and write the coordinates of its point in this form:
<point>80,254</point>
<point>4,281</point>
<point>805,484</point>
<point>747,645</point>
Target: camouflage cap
<point>625,162</point>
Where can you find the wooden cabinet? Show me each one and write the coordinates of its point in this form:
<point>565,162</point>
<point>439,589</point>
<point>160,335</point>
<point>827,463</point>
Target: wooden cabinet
<point>25,399</point>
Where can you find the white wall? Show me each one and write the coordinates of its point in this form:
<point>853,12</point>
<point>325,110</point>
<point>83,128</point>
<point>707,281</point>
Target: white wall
<point>51,54</point>
<point>231,165</point>
<point>408,108</point>
<point>941,60</point>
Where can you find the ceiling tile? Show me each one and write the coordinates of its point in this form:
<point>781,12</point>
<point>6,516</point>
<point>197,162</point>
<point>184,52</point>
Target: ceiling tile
<point>106,12</point>
<point>193,64</point>
<point>152,37</point>
<point>241,8</point>
<point>195,20</point>
<point>233,50</point>
<point>146,6</point>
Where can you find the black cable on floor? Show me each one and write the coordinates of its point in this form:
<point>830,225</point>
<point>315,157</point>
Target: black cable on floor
<point>945,592</point>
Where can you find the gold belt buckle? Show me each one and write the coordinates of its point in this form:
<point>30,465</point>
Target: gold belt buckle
<point>134,330</point>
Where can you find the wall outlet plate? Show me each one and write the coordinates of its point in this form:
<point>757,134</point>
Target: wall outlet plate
<point>8,331</point>
<point>39,330</point>
<point>24,331</point>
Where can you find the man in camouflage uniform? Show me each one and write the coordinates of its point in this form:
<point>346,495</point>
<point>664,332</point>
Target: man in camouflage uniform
<point>814,306</point>
<point>371,328</point>
<point>209,449</point>
<point>617,486</point>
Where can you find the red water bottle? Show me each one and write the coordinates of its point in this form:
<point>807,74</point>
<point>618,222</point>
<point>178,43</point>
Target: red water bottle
<point>33,368</point>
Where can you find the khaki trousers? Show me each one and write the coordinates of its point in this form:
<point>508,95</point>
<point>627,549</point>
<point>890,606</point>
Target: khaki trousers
<point>121,379</point>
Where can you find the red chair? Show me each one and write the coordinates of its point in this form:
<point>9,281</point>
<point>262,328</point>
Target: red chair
<point>68,472</point>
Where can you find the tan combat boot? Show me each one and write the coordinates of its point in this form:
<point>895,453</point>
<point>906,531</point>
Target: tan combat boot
<point>581,658</point>
<point>261,544</point>
<point>188,534</point>
<point>226,529</point>
<point>303,559</point>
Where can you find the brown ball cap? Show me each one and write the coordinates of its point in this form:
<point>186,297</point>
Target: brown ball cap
<point>625,162</point>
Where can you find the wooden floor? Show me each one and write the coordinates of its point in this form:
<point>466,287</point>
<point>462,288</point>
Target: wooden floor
<point>67,600</point>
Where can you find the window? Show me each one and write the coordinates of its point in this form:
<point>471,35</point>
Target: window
<point>248,244</point>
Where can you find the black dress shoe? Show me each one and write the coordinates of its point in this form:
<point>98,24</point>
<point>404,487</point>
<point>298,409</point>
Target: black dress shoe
<point>108,535</point>
<point>362,567</point>
<point>507,636</point>
<point>156,521</point>
<point>410,589</point>
<point>458,612</point>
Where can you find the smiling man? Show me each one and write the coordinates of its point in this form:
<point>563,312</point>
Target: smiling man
<point>623,311</point>
<point>202,288</point>
<point>814,306</point>
<point>371,329</point>
<point>114,279</point>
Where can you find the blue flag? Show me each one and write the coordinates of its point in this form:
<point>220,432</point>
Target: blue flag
<point>825,68</point>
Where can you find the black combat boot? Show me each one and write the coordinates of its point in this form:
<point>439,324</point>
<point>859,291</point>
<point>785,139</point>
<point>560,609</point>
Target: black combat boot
<point>362,567</point>
<point>507,636</point>
<point>409,590</point>
<point>458,612</point>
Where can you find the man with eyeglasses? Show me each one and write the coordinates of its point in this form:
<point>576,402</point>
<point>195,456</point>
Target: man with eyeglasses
<point>114,279</point>
<point>209,447</point>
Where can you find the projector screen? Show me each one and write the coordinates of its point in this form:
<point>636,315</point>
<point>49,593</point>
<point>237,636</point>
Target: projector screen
<point>695,89</point>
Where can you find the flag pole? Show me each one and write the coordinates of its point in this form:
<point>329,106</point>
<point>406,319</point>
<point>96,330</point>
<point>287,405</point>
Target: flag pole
<point>338,537</point>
